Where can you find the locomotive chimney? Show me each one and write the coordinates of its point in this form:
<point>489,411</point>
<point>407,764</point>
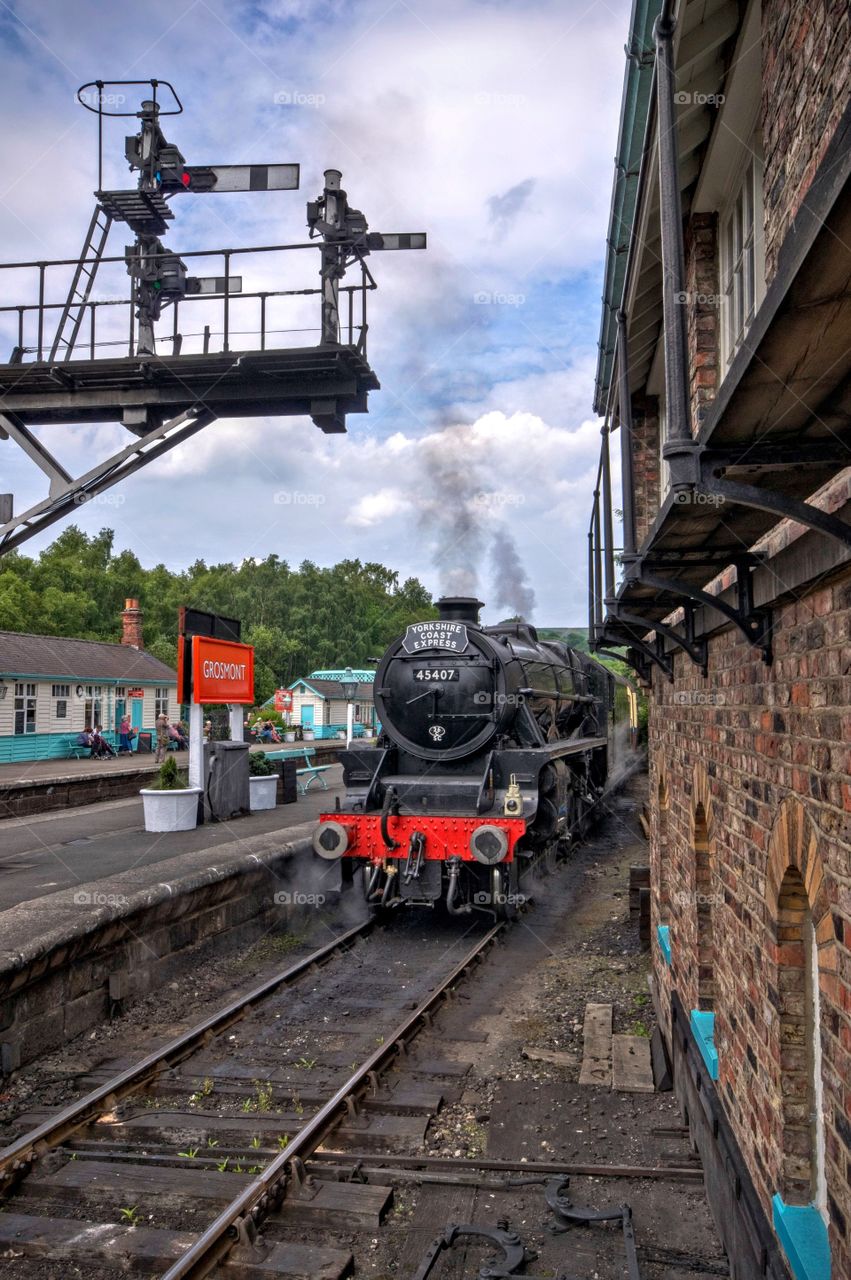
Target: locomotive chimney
<point>459,609</point>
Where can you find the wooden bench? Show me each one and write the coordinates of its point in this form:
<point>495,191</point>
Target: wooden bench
<point>314,770</point>
<point>77,750</point>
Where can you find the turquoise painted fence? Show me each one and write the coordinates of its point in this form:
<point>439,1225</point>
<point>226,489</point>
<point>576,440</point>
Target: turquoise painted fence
<point>43,746</point>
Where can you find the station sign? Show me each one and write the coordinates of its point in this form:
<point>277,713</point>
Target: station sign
<point>222,671</point>
<point>135,693</point>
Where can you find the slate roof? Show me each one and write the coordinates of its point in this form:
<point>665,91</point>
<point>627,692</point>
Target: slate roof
<point>331,688</point>
<point>22,654</point>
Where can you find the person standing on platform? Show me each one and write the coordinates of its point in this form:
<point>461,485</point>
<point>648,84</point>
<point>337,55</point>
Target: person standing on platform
<point>124,734</point>
<point>161,736</point>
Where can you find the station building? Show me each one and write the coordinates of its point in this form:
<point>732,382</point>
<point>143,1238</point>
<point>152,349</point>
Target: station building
<point>51,688</point>
<point>319,706</point>
<point>724,383</point>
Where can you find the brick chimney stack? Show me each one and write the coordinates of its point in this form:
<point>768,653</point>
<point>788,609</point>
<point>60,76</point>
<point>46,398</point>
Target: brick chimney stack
<point>131,621</point>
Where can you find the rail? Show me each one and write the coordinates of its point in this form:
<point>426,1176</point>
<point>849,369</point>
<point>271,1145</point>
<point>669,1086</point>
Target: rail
<point>239,1220</point>
<point>104,330</point>
<point>16,1159</point>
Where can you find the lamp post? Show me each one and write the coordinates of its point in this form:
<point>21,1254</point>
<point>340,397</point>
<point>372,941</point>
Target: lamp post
<point>349,685</point>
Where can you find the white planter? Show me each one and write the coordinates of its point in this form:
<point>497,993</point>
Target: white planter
<point>263,791</point>
<point>170,810</point>
<point>308,735</point>
<point>289,737</point>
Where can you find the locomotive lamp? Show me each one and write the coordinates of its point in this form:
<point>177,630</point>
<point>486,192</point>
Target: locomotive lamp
<point>349,686</point>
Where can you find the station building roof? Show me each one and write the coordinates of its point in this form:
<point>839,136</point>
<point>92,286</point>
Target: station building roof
<point>22,654</point>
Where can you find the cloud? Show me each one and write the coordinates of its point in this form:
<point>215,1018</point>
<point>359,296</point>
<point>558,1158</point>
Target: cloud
<point>448,116</point>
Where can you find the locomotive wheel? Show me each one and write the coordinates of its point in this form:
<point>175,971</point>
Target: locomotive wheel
<point>504,891</point>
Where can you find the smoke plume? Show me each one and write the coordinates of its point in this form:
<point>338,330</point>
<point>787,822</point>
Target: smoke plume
<point>512,589</point>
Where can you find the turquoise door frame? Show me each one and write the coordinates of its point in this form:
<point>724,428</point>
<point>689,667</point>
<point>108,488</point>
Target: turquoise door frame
<point>307,716</point>
<point>136,719</point>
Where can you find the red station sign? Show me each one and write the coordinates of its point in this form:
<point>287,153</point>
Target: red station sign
<point>283,700</point>
<point>222,671</point>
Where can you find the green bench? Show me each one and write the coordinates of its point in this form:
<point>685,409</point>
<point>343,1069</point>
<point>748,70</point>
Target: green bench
<point>315,771</point>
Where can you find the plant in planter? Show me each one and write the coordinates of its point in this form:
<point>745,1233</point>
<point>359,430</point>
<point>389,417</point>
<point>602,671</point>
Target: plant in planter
<point>170,804</point>
<point>262,781</point>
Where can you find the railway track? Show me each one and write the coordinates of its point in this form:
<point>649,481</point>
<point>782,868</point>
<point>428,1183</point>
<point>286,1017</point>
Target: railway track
<point>274,1138</point>
<point>183,1132</point>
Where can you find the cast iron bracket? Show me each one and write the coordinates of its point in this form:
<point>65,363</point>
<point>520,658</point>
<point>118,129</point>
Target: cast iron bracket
<point>567,1215</point>
<point>779,504</point>
<point>696,649</point>
<point>754,624</point>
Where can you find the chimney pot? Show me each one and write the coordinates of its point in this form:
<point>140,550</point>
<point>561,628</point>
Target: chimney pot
<point>131,624</point>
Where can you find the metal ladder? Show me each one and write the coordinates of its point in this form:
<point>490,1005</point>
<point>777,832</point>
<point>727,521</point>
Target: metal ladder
<point>81,285</point>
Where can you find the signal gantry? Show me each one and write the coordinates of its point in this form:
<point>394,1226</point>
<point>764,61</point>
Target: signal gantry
<point>86,349</point>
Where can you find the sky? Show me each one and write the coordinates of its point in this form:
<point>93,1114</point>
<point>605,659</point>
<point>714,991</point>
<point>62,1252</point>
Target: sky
<point>489,124</point>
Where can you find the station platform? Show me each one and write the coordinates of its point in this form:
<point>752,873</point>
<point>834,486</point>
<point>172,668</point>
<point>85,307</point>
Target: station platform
<point>95,912</point>
<point>36,786</point>
<point>87,846</point>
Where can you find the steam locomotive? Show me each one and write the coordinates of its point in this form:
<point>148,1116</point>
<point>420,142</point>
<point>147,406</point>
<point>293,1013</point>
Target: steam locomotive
<point>494,747</point>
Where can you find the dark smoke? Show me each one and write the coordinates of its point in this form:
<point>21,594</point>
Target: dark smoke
<point>449,510</point>
<point>456,511</point>
<point>511,589</point>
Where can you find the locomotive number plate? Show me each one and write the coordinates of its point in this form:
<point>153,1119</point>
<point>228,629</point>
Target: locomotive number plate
<point>436,673</point>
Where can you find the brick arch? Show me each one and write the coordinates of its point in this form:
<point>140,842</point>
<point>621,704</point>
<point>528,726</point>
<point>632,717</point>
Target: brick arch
<point>705,886</point>
<point>798,915</point>
<point>794,843</point>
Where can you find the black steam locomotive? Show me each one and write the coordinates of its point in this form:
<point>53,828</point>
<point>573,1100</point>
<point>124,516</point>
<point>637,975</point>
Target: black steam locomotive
<point>494,747</point>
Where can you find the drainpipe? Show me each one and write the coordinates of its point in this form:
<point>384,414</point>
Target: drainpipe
<point>680,448</point>
<point>608,530</point>
<point>627,457</point>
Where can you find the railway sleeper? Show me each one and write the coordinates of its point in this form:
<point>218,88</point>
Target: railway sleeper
<point>153,1248</point>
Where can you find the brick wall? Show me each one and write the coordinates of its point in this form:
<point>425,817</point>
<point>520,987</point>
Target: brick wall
<point>645,463</point>
<point>701,256</point>
<point>806,87</point>
<point>764,753</point>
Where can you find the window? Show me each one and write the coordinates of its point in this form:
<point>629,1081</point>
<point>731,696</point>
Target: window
<point>160,702</point>
<point>742,261</point>
<point>24,708</point>
<point>120,691</point>
<point>60,693</point>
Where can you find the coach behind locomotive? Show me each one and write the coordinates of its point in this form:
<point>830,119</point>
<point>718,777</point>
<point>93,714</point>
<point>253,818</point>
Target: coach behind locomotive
<point>494,747</point>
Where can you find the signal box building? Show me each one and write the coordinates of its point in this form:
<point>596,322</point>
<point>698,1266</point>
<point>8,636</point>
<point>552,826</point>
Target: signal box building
<point>724,384</point>
<point>52,687</point>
